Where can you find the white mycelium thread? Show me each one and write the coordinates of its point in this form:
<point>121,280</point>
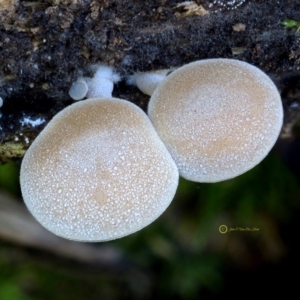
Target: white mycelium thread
<point>217,117</point>
<point>225,4</point>
<point>98,172</point>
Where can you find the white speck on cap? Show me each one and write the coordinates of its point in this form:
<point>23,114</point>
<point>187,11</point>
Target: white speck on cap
<point>98,172</point>
<point>217,117</point>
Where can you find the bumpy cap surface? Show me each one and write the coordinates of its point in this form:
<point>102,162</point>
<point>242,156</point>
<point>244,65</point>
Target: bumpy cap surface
<point>98,172</point>
<point>217,117</point>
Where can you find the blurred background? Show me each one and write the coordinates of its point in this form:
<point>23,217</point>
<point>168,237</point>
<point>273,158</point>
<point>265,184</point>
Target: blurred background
<point>182,255</point>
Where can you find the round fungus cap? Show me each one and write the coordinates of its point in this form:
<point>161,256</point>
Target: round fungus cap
<point>98,172</point>
<point>79,89</point>
<point>217,117</point>
<point>99,86</point>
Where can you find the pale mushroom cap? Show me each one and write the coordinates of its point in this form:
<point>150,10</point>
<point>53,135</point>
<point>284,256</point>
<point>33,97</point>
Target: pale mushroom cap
<point>78,89</point>
<point>98,172</point>
<point>100,87</point>
<point>148,81</point>
<point>104,71</point>
<point>217,117</point>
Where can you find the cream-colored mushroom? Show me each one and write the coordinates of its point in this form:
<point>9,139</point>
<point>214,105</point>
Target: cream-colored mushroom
<point>217,117</point>
<point>98,172</point>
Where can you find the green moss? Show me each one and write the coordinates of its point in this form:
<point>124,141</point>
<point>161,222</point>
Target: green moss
<point>289,23</point>
<point>9,178</point>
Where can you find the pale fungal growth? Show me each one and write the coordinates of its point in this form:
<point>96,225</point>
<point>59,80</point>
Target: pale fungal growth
<point>217,117</point>
<point>148,81</point>
<point>100,86</point>
<point>98,172</point>
<point>79,89</point>
<point>33,123</point>
<point>219,5</point>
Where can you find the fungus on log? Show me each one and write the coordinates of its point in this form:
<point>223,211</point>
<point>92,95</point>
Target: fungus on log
<point>98,172</point>
<point>217,117</point>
